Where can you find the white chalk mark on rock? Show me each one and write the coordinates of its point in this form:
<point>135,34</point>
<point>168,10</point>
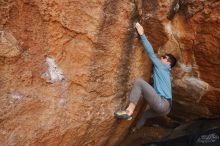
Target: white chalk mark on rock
<point>186,68</point>
<point>15,97</point>
<point>62,102</point>
<point>169,28</point>
<point>54,73</point>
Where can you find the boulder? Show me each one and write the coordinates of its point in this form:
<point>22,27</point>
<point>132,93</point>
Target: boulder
<point>67,65</point>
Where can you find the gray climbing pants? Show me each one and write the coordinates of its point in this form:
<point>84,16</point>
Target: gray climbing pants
<point>159,106</point>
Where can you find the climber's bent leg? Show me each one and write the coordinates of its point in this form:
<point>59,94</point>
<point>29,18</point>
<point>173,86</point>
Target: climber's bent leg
<point>135,95</point>
<point>133,98</point>
<point>136,91</point>
<point>141,87</point>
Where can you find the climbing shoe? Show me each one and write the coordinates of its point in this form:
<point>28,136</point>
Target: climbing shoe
<point>122,115</point>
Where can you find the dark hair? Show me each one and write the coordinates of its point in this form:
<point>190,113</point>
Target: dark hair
<point>172,60</point>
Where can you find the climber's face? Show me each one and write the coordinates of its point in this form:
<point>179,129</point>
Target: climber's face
<point>165,59</point>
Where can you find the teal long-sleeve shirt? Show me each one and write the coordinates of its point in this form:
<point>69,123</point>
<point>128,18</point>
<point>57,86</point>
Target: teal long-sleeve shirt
<point>161,72</point>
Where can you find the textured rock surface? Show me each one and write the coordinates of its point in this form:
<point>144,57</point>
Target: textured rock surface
<point>67,65</point>
<point>8,46</point>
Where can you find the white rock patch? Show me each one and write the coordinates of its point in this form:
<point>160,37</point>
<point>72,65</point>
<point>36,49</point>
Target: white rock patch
<point>54,72</point>
<point>168,28</point>
<point>186,68</point>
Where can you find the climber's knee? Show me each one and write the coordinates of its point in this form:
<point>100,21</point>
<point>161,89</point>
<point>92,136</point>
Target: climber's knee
<point>138,82</point>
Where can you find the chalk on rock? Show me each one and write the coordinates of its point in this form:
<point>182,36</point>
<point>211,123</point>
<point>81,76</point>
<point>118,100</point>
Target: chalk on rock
<point>54,73</point>
<point>186,68</point>
<point>15,97</point>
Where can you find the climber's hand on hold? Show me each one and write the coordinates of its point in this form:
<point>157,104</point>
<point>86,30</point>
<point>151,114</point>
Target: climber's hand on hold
<point>139,28</point>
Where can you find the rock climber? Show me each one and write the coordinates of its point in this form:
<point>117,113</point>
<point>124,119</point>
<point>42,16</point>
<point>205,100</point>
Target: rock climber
<point>159,97</point>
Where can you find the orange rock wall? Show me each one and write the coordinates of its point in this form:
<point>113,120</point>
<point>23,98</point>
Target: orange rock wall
<point>67,65</point>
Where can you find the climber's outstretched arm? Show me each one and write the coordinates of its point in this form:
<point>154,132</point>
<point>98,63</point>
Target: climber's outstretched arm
<point>147,46</point>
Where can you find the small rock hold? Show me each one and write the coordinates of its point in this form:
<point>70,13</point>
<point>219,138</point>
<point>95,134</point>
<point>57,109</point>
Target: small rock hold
<point>8,45</point>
